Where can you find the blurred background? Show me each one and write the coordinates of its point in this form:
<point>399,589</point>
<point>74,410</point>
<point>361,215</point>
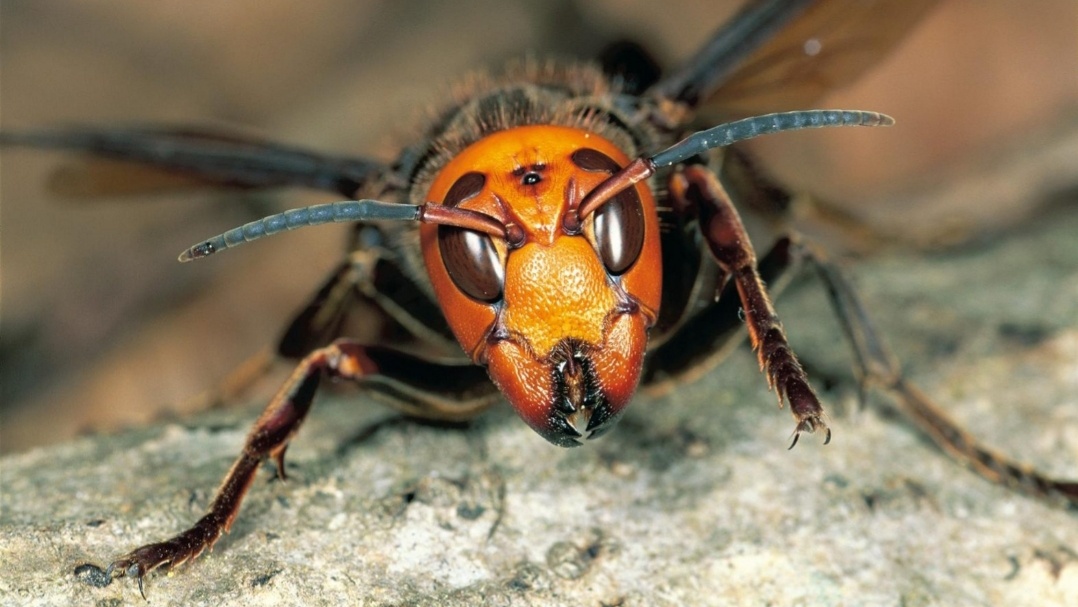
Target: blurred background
<point>100,328</point>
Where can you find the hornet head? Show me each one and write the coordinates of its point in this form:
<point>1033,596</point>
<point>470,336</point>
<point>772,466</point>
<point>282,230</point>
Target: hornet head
<point>559,310</point>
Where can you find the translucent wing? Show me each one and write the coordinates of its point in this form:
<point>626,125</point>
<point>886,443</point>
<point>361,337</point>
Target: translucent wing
<point>782,55</point>
<point>135,161</point>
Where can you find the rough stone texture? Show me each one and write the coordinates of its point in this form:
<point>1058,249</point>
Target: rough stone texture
<point>692,500</point>
<point>102,329</point>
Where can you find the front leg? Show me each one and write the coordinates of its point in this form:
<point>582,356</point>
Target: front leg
<point>697,191</point>
<point>390,372</point>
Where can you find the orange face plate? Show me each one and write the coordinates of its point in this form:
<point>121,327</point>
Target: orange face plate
<point>556,290</point>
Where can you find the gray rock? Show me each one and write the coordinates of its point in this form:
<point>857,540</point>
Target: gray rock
<point>692,500</point>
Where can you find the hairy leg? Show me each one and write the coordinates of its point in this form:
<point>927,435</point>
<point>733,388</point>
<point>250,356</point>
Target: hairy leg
<point>392,373</point>
<point>697,191</point>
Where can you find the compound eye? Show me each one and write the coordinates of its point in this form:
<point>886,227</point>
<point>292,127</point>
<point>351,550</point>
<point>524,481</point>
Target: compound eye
<point>619,224</point>
<point>470,257</point>
<point>472,262</point>
<point>619,231</point>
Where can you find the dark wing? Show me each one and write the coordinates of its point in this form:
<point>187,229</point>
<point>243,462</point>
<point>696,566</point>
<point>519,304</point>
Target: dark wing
<point>130,161</point>
<point>778,55</point>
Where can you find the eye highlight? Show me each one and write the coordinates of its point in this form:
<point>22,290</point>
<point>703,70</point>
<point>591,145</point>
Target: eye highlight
<point>619,224</point>
<point>472,262</point>
<point>619,231</point>
<point>470,257</point>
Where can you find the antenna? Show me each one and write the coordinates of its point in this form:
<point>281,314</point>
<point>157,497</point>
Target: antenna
<point>347,210</point>
<point>722,136</point>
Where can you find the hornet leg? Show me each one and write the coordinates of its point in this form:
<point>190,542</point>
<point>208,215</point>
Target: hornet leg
<point>385,371</point>
<point>698,191</point>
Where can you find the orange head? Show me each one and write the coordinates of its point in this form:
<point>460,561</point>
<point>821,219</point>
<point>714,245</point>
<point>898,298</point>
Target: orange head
<point>559,314</point>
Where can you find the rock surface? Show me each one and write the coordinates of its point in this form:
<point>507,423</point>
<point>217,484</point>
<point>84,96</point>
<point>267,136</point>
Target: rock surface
<point>692,500</point>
